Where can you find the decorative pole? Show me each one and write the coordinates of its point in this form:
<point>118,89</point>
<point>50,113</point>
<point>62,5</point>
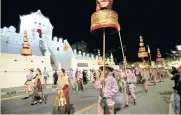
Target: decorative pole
<point>122,49</point>
<point>149,52</point>
<point>106,20</point>
<point>66,48</point>
<point>142,51</point>
<point>125,62</point>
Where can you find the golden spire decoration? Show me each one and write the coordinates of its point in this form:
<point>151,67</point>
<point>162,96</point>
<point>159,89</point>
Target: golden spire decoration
<point>26,51</point>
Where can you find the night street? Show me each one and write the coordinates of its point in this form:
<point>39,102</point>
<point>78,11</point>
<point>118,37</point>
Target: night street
<point>79,101</point>
<point>156,102</point>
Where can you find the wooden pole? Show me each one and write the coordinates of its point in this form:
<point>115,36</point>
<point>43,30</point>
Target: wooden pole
<point>122,50</point>
<point>27,64</point>
<point>104,44</point>
<point>150,56</point>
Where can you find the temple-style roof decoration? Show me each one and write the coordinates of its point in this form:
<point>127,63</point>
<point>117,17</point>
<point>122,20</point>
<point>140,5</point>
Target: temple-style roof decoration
<point>142,51</point>
<point>159,59</point>
<point>26,51</point>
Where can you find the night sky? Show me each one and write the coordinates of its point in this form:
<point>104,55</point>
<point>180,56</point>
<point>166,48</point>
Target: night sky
<point>158,21</point>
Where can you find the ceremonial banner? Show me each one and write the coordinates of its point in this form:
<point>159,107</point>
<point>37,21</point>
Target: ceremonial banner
<point>104,19</point>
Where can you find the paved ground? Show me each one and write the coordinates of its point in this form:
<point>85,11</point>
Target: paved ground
<point>18,106</point>
<point>157,101</point>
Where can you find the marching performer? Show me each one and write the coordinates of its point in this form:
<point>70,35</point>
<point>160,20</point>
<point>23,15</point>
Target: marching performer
<point>123,79</point>
<point>146,76</point>
<point>158,74</point>
<point>62,104</point>
<point>71,78</point>
<point>106,101</point>
<point>55,77</point>
<point>131,81</point>
<point>28,83</point>
<point>45,75</point>
<point>37,88</point>
<point>154,75</point>
<point>79,86</point>
<point>161,70</point>
<point>138,75</point>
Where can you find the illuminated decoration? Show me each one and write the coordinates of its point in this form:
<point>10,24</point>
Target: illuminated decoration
<point>143,54</point>
<point>26,51</point>
<point>159,59</point>
<point>65,48</point>
<point>142,50</point>
<point>105,19</point>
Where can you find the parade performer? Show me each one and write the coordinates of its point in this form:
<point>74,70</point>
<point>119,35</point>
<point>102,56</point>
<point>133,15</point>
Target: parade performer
<point>62,104</point>
<point>55,77</point>
<point>154,75</point>
<point>146,76</point>
<point>28,83</point>
<point>161,71</point>
<point>79,86</point>
<point>106,101</point>
<point>38,89</point>
<point>71,78</point>
<point>84,73</point>
<point>123,80</point>
<point>120,97</point>
<point>158,74</point>
<point>103,4</point>
<point>131,81</point>
<point>138,75</point>
<point>45,75</point>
